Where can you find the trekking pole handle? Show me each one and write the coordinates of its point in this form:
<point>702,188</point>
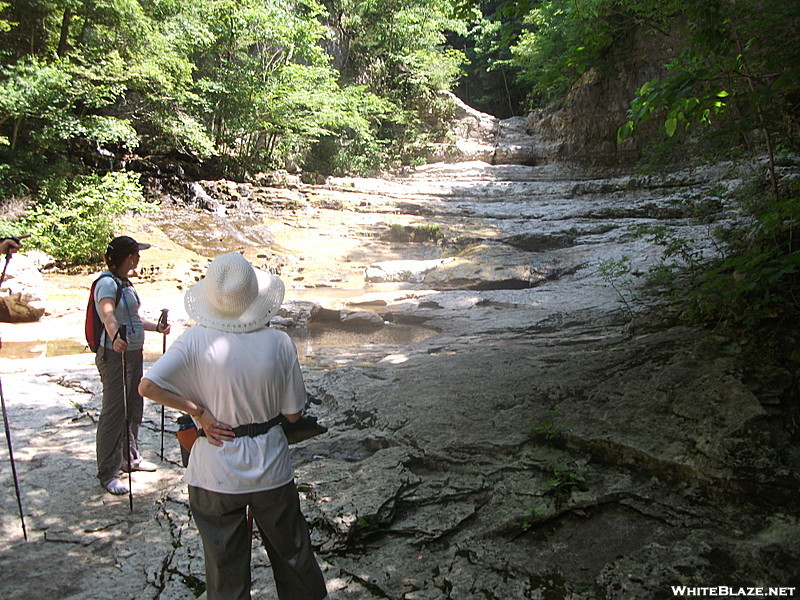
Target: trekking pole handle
<point>162,320</point>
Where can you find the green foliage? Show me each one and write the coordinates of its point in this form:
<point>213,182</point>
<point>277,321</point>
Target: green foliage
<point>679,99</point>
<point>618,275</point>
<point>730,87</point>
<point>9,228</point>
<point>337,86</point>
<point>4,25</point>
<point>489,81</point>
<point>318,110</point>
<point>565,478</point>
<point>561,482</point>
<point>758,279</point>
<point>261,74</point>
<point>367,528</point>
<point>398,51</point>
<point>76,219</point>
<point>109,131</point>
<point>547,426</point>
<point>185,133</point>
<point>749,289</point>
<point>562,41</point>
<point>45,103</point>
<point>414,233</point>
<point>752,279</point>
<point>739,71</point>
<point>676,247</point>
<point>398,48</point>
<point>536,515</point>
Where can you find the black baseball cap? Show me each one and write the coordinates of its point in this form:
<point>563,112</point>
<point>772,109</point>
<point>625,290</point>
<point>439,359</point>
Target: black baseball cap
<point>124,245</point>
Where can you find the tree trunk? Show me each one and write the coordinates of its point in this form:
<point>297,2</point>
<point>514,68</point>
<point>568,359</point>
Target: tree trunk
<point>15,134</point>
<point>63,40</point>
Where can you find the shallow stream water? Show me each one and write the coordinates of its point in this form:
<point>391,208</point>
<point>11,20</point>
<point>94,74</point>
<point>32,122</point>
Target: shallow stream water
<point>309,341</point>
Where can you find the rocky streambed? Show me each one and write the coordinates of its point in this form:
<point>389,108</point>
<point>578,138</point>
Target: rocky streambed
<point>543,431</point>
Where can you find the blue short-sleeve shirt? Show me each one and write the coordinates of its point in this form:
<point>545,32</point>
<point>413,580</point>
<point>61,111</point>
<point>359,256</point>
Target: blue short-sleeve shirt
<point>126,311</point>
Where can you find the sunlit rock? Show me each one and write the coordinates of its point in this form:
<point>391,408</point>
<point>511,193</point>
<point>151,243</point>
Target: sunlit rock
<point>412,271</point>
<point>360,318</point>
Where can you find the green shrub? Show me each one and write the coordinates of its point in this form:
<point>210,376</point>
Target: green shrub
<point>617,273</point>
<point>8,228</point>
<point>414,233</point>
<point>750,288</point>
<point>548,426</point>
<point>75,220</point>
<point>758,279</point>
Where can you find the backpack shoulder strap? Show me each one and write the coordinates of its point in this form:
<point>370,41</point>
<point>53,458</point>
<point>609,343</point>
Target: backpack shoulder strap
<point>133,289</point>
<point>116,280</point>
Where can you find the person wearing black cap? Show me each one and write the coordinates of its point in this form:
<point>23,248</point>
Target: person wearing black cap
<point>122,257</point>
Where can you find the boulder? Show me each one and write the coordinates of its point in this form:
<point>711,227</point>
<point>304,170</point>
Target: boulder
<point>16,308</point>
<point>360,318</point>
<point>298,313</point>
<point>277,178</point>
<point>515,144</point>
<point>474,134</point>
<point>22,274</point>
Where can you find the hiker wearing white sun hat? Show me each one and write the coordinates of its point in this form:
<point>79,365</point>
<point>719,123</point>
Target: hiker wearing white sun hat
<point>234,296</point>
<point>237,378</point>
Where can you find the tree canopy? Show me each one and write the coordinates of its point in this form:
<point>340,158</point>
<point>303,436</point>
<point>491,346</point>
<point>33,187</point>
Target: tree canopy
<point>251,82</point>
<point>351,85</point>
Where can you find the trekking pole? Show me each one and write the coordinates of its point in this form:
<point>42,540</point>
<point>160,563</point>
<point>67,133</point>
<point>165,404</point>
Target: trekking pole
<point>13,464</point>
<point>162,322</point>
<point>123,334</point>
<point>250,529</point>
<point>5,266</point>
<point>8,430</point>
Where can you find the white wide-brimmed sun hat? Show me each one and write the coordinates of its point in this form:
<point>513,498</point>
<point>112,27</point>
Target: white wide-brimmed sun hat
<point>234,296</point>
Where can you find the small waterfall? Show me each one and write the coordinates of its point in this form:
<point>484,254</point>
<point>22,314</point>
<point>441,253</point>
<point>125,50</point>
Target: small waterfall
<point>197,196</point>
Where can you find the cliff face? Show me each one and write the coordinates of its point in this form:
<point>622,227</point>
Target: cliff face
<point>583,128</point>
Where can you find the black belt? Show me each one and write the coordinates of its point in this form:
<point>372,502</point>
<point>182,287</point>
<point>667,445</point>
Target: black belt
<point>251,429</point>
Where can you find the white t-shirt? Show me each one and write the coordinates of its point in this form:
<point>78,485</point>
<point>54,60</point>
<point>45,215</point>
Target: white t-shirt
<point>241,378</point>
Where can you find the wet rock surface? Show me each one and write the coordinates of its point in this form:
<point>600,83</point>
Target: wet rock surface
<point>550,436</point>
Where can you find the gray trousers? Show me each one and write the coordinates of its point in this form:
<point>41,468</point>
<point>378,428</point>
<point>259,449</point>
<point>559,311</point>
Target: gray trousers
<point>222,522</point>
<point>111,432</point>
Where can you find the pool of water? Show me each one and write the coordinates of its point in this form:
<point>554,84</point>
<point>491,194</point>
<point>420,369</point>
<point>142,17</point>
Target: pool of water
<point>318,338</point>
<point>38,349</point>
<point>308,341</point>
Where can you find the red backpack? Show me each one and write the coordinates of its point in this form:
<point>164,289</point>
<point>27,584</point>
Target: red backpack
<point>94,324</point>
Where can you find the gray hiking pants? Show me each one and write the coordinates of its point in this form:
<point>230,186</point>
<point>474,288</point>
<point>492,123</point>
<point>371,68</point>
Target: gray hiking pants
<point>111,444</point>
<point>222,522</point>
